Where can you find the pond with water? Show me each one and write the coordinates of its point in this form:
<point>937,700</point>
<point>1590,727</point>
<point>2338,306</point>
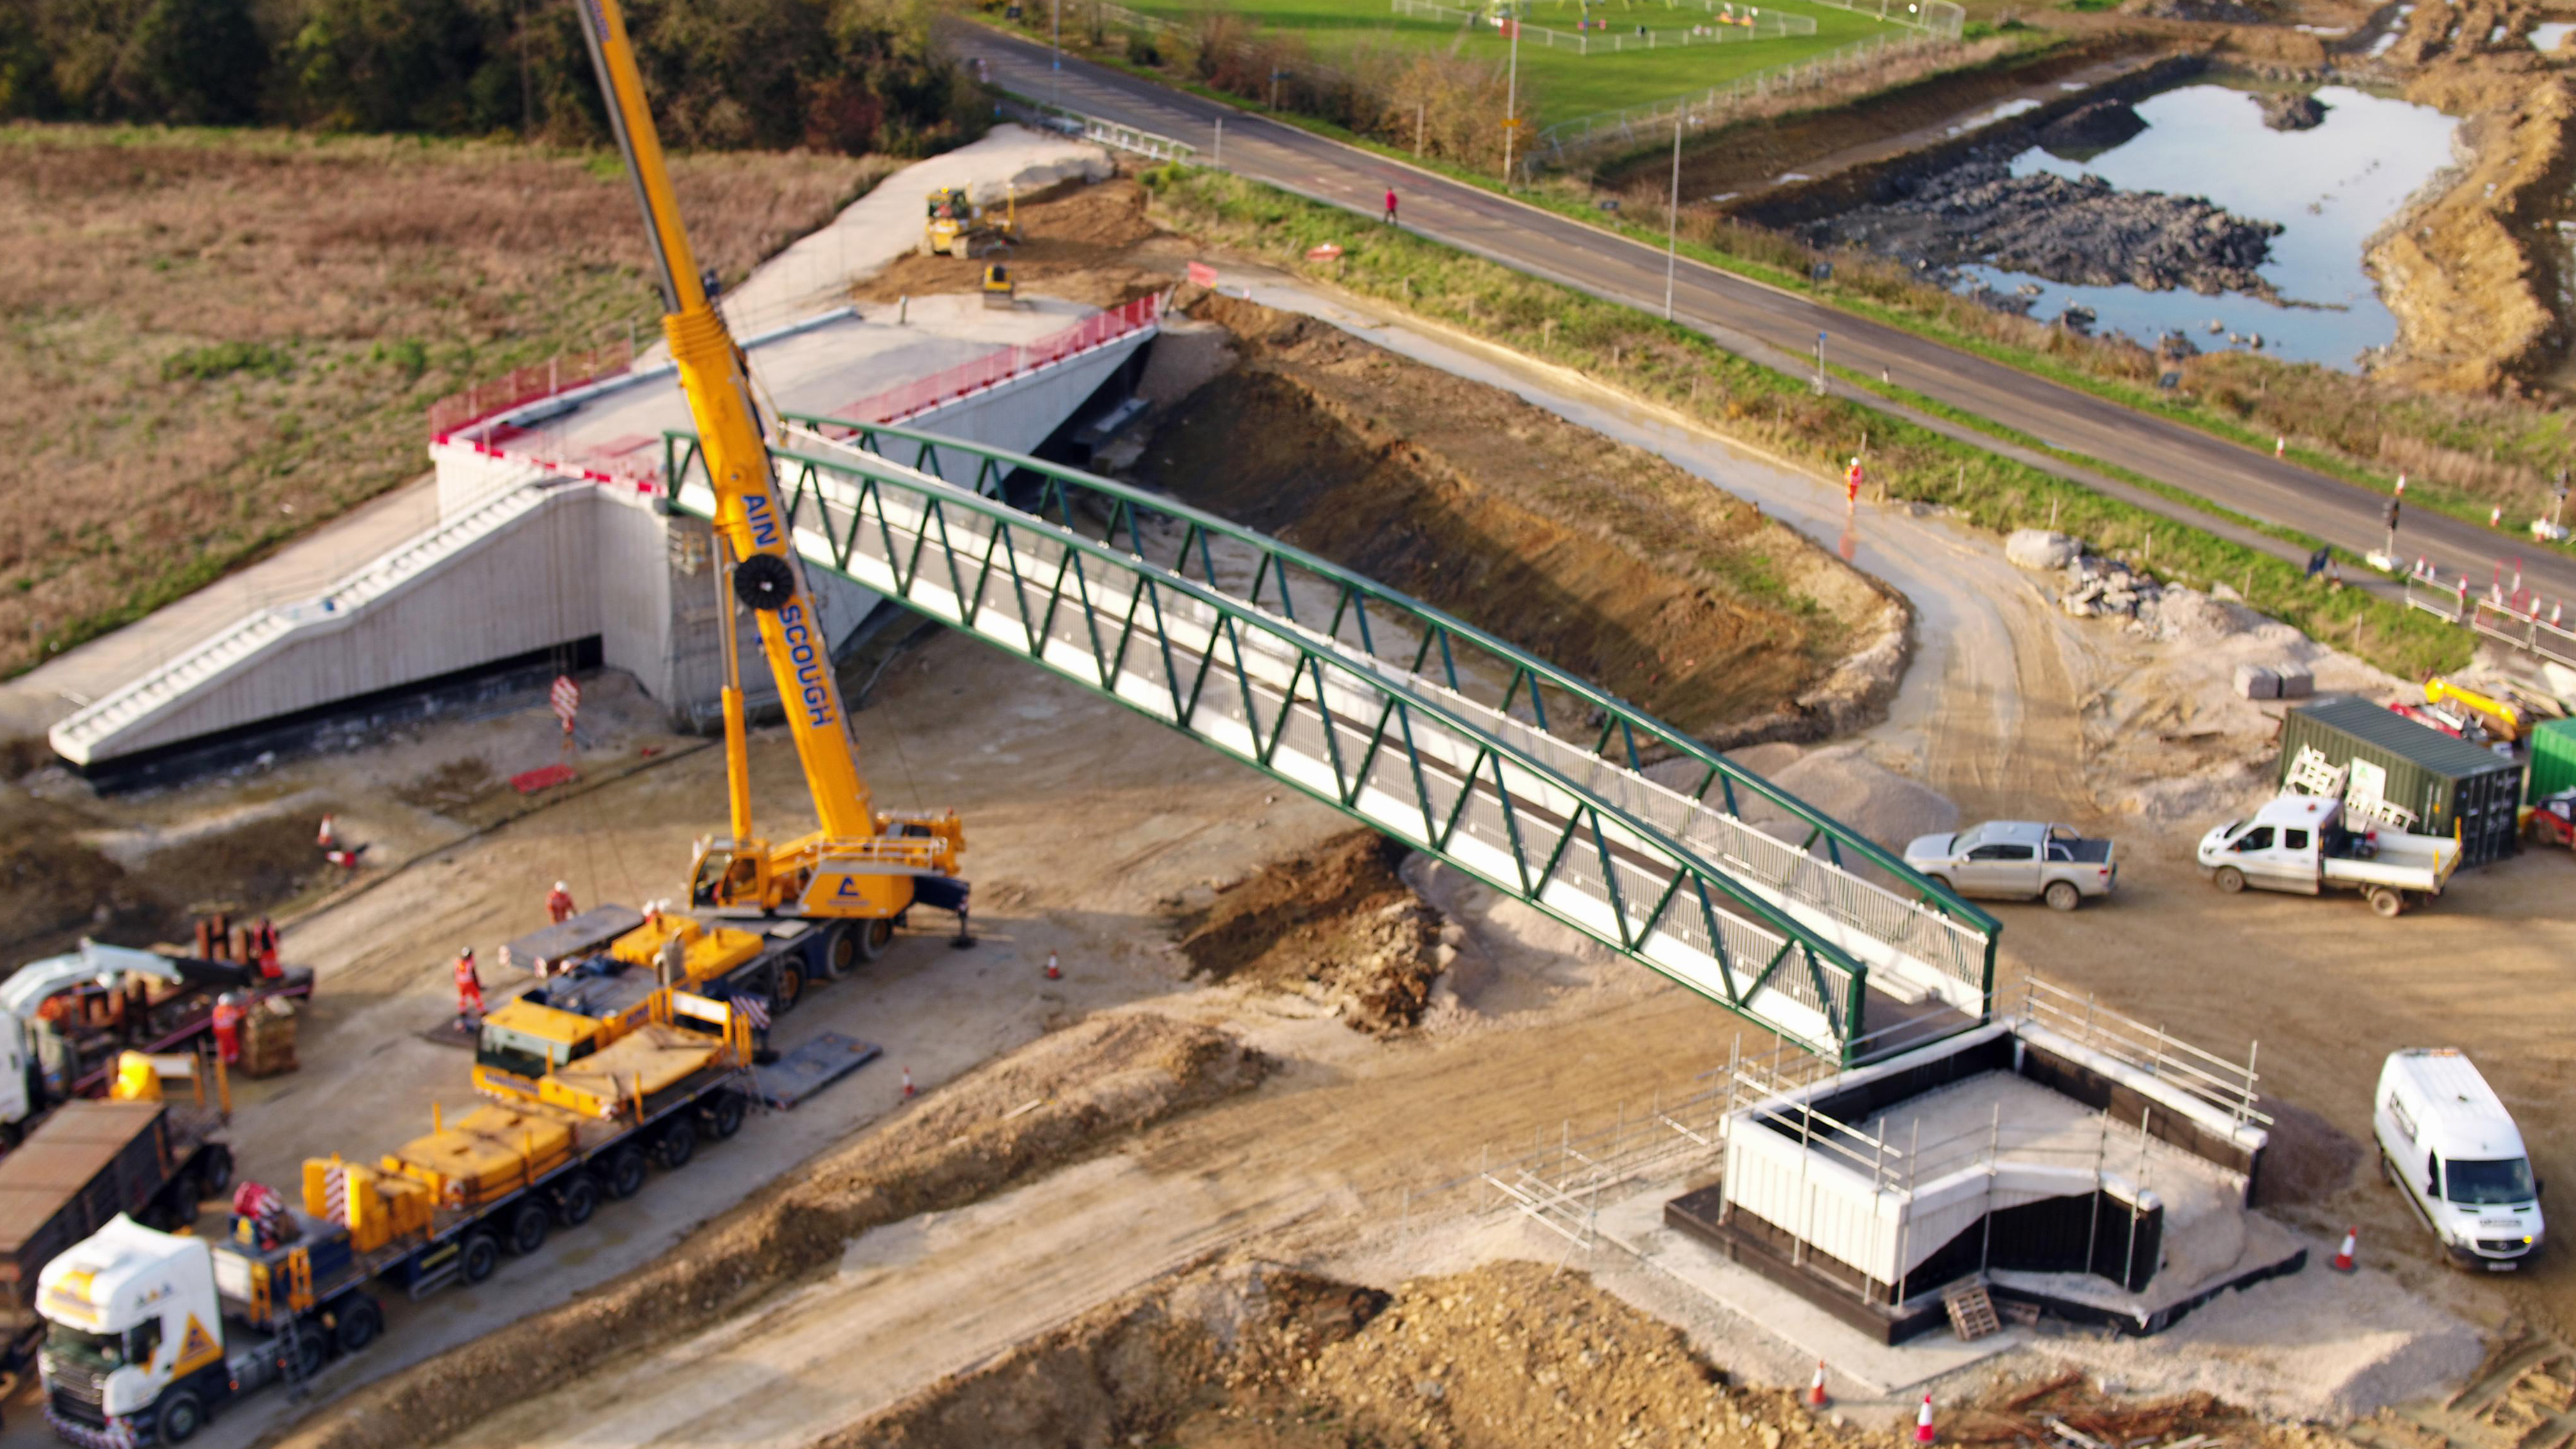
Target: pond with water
<point>2329,188</point>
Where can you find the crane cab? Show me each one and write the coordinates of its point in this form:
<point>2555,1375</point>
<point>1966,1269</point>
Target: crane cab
<point>738,875</point>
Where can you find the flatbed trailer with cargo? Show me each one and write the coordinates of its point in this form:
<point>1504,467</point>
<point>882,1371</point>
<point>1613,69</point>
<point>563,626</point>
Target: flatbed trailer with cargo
<point>292,1286</point>
<point>92,1161</point>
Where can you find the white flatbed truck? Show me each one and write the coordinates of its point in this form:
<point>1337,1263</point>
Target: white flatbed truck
<point>2298,843</point>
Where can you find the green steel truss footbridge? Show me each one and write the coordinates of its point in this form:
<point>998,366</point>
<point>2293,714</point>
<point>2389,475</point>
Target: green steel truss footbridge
<point>1418,724</point>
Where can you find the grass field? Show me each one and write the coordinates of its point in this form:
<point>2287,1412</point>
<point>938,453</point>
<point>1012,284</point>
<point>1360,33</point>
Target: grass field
<point>212,340</point>
<point>1564,83</point>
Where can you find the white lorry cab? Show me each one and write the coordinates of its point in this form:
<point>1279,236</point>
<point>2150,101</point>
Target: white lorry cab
<point>2450,1146</point>
<point>131,1317</point>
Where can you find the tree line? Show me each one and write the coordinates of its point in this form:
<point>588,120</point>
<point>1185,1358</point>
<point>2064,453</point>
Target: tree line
<point>836,75</point>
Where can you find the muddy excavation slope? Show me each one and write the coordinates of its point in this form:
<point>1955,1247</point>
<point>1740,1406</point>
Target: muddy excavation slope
<point>1602,558</point>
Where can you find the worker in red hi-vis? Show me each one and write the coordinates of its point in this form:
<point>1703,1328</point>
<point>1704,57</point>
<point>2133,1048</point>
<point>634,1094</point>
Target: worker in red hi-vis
<point>469,990</point>
<point>559,903</point>
<point>231,1009</point>
<point>1851,482</point>
<point>1390,206</point>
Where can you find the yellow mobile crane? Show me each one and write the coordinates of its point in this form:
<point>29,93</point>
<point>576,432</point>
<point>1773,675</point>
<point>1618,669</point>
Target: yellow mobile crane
<point>864,865</point>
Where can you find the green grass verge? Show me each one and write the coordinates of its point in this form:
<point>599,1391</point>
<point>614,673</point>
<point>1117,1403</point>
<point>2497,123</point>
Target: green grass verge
<point>1567,82</point>
<point>1915,310</point>
<point>1672,366</point>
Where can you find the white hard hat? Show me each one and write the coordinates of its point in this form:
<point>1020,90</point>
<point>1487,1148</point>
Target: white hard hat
<point>559,885</point>
<point>1855,462</point>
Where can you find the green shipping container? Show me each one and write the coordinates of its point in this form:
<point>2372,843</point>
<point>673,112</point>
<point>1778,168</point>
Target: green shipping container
<point>2455,788</point>
<point>2553,759</point>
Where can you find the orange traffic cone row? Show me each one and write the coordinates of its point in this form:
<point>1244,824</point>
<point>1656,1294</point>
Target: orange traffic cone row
<point>907,1084</point>
<point>2343,1256</point>
<point>1816,1390</point>
<point>1923,1421</point>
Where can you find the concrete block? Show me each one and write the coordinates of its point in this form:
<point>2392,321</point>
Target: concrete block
<point>2037,548</point>
<point>2253,681</point>
<point>2296,681</point>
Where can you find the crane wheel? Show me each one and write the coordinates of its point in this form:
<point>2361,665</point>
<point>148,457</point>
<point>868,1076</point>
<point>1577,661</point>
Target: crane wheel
<point>764,581</point>
<point>678,1143</point>
<point>787,990</point>
<point>625,1172</point>
<point>872,937</point>
<point>481,1254</point>
<point>355,1322</point>
<point>724,1115</point>
<point>528,1228</point>
<point>577,1200</point>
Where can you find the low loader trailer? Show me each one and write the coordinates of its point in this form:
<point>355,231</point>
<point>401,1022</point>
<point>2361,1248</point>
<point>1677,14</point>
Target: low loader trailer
<point>149,1334</point>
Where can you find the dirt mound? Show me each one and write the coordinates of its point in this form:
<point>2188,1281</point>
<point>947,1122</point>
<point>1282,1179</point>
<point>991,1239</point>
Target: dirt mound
<point>1605,559</point>
<point>1335,923</point>
<point>2467,271</point>
<point>1508,1355</point>
<point>65,873</point>
<point>1057,1101</point>
<point>1075,244</point>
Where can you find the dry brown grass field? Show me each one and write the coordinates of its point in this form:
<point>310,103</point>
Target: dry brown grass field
<point>213,340</point>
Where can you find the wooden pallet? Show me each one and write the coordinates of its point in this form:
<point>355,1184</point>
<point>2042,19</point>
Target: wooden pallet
<point>1972,1312</point>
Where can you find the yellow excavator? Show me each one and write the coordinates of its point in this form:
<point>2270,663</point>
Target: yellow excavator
<point>953,224</point>
<point>864,867</point>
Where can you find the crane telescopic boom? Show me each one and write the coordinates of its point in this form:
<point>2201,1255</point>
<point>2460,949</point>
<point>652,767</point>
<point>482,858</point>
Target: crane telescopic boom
<point>860,863</point>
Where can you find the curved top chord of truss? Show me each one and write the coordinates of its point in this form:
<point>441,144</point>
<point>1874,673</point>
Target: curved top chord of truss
<point>1503,765</point>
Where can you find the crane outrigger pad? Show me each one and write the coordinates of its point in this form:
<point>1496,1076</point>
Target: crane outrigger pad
<point>810,1068</point>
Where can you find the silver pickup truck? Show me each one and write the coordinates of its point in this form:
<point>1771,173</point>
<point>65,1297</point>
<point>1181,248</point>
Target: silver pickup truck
<point>2018,860</point>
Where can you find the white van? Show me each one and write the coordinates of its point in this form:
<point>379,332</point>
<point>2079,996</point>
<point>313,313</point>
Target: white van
<point>2451,1147</point>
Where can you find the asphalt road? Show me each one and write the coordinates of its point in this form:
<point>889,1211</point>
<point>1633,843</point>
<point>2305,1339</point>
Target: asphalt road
<point>1780,328</point>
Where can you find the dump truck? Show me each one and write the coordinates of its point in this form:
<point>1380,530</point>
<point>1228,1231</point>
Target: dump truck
<point>132,1155</point>
<point>2300,843</point>
<point>149,1334</point>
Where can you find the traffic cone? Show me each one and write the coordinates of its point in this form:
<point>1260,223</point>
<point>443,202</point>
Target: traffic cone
<point>2343,1256</point>
<point>1923,1421</point>
<point>1816,1391</point>
<point>1052,973</point>
<point>907,1084</point>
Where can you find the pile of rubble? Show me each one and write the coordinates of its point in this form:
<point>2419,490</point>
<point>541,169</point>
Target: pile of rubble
<point>2096,587</point>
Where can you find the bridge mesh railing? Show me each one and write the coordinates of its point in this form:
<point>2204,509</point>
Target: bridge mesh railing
<point>1602,744</point>
<point>1409,756</point>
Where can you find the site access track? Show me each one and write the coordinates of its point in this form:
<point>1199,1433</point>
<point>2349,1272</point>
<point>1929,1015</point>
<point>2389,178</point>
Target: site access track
<point>1779,328</point>
<point>1455,742</point>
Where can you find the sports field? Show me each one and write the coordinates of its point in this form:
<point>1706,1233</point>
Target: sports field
<point>1566,83</point>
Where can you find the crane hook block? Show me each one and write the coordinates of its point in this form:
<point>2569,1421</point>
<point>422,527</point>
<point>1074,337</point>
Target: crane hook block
<point>764,581</point>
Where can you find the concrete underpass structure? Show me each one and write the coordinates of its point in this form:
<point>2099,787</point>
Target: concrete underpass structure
<point>555,548</point>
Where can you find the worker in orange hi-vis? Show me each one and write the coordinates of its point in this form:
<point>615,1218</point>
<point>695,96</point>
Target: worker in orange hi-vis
<point>559,903</point>
<point>230,1009</point>
<point>1851,482</point>
<point>469,990</point>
